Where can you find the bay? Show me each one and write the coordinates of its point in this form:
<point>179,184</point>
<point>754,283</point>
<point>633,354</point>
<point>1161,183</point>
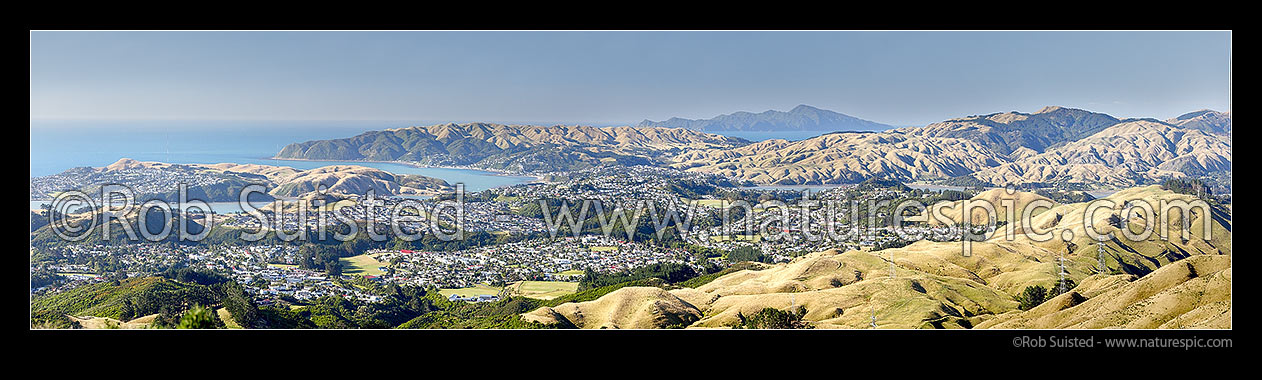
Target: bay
<point>57,145</point>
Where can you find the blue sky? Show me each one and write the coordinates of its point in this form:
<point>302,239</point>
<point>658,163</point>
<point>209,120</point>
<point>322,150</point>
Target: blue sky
<point>606,78</point>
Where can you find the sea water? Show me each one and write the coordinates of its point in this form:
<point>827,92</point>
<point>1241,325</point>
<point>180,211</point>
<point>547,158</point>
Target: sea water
<point>57,145</point>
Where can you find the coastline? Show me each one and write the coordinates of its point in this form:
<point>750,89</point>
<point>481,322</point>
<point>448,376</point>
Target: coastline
<point>537,178</point>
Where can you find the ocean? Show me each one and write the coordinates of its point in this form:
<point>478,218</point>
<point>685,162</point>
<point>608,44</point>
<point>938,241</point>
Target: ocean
<point>57,145</point>
<point>60,145</point>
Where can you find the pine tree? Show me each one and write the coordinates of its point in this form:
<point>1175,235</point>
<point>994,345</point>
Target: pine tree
<point>197,318</point>
<point>1032,296</point>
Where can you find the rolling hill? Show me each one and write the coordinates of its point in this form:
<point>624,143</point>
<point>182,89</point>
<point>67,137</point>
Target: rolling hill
<point>626,308</point>
<point>1204,120</point>
<point>512,147</point>
<point>1192,293</point>
<point>1055,145</point>
<point>224,182</point>
<point>1052,146</point>
<point>121,300</point>
<point>1129,153</point>
<point>845,157</point>
<point>150,180</point>
<point>1147,282</point>
<point>1005,133</point>
<point>356,180</point>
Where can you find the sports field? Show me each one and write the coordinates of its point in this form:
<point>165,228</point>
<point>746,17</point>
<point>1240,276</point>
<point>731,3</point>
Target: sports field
<point>361,265</point>
<point>715,203</point>
<point>544,290</point>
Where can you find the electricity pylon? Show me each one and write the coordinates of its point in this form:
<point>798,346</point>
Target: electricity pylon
<point>873,310</point>
<point>892,275</point>
<point>1060,286</point>
<point>1104,266</point>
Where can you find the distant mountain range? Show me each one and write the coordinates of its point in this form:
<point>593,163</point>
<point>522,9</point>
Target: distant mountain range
<point>1126,154</point>
<point>800,118</point>
<point>1204,120</point>
<point>523,148</point>
<point>1007,132</point>
<point>1053,146</point>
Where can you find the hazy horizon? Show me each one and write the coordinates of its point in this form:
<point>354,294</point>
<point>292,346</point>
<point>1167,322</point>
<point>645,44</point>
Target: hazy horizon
<point>407,123</point>
<point>618,78</point>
